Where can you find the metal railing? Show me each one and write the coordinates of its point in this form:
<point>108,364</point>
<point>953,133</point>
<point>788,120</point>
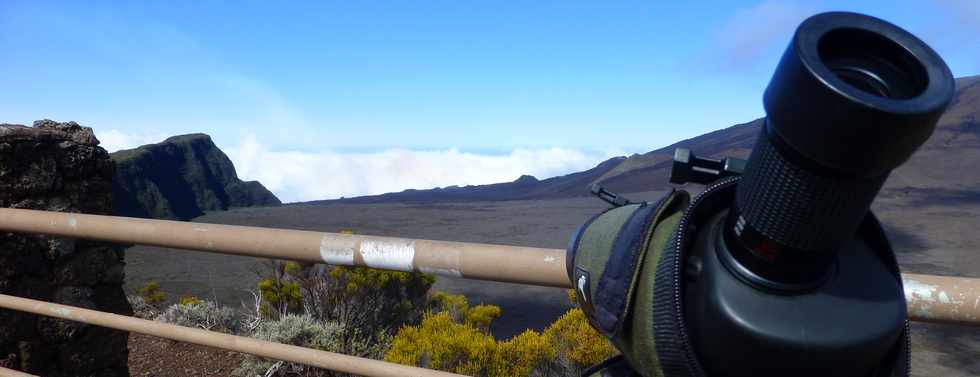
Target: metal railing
<point>930,298</point>
<point>528,265</point>
<point>4,372</point>
<point>321,359</point>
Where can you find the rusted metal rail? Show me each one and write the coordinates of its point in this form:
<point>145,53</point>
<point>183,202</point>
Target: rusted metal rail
<point>943,299</point>
<point>930,298</point>
<point>321,359</point>
<point>4,372</point>
<point>528,265</point>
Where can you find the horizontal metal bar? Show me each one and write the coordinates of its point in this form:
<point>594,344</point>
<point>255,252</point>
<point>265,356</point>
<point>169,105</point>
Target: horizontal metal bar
<point>930,298</point>
<point>320,359</point>
<point>528,265</point>
<point>4,372</point>
<point>943,299</point>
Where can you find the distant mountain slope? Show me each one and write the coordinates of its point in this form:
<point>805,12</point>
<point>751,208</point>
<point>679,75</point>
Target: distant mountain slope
<point>524,187</point>
<point>947,161</point>
<point>651,170</point>
<point>950,160</point>
<point>180,178</point>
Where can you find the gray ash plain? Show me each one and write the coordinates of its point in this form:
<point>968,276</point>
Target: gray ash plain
<point>932,232</point>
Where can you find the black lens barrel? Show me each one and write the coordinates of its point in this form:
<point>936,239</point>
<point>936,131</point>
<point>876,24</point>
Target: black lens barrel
<point>852,98</point>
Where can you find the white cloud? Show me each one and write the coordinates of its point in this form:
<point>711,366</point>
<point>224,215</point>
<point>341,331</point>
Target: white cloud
<point>303,176</point>
<point>114,140</point>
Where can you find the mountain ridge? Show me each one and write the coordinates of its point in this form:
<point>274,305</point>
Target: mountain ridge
<point>944,158</point>
<point>181,178</point>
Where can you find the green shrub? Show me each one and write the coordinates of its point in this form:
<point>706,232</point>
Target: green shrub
<point>205,314</point>
<point>481,316</point>
<point>280,297</point>
<point>577,344</point>
<point>291,268</point>
<point>369,304</point>
<point>455,305</point>
<point>442,341</point>
<point>140,308</point>
<point>152,294</point>
<point>190,301</point>
<point>526,354</point>
<point>297,330</point>
<point>458,308</point>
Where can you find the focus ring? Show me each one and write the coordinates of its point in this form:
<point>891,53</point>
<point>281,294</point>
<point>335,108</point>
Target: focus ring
<point>797,207</point>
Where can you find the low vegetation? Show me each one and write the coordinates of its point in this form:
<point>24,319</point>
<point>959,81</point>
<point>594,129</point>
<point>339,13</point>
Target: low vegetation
<point>296,329</point>
<point>206,315</point>
<point>386,315</point>
<point>457,339</point>
<point>152,294</point>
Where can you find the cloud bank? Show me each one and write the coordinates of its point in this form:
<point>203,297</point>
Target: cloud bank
<point>303,176</point>
<point>114,140</point>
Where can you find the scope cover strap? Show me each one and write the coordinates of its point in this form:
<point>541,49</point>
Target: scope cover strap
<point>613,293</point>
<point>615,366</point>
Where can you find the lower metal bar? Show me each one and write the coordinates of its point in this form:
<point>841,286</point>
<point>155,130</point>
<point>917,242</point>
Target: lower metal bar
<point>293,354</point>
<point>4,372</point>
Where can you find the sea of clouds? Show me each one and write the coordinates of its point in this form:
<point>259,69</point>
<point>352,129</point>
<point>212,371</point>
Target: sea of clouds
<point>296,176</point>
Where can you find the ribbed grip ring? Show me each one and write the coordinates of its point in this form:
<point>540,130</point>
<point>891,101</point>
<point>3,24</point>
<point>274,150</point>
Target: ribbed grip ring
<point>797,207</point>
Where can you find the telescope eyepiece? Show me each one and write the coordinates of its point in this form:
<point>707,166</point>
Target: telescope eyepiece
<point>851,99</point>
<point>872,63</point>
<point>856,95</point>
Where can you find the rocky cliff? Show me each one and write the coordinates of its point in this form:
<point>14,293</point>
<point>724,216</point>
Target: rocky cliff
<point>180,178</point>
<point>59,167</point>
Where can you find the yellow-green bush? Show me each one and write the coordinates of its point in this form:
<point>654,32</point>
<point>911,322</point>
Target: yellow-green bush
<point>522,354</point>
<point>358,278</point>
<point>367,297</point>
<point>190,301</point>
<point>481,316</point>
<point>458,308</point>
<point>291,268</point>
<point>279,297</point>
<point>370,305</point>
<point>152,294</point>
<point>455,305</point>
<point>442,341</point>
<point>572,336</point>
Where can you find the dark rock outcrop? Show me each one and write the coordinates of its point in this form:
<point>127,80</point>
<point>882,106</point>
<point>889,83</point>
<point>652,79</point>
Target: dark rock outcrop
<point>180,178</point>
<point>59,167</point>
<point>250,193</point>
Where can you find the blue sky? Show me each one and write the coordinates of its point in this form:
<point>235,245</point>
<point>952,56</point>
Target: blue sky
<point>327,99</point>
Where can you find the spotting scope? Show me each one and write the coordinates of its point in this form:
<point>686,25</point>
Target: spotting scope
<point>777,267</point>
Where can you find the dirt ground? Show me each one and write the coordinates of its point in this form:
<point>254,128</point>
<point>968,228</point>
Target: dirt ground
<point>931,235</point>
<point>155,357</point>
